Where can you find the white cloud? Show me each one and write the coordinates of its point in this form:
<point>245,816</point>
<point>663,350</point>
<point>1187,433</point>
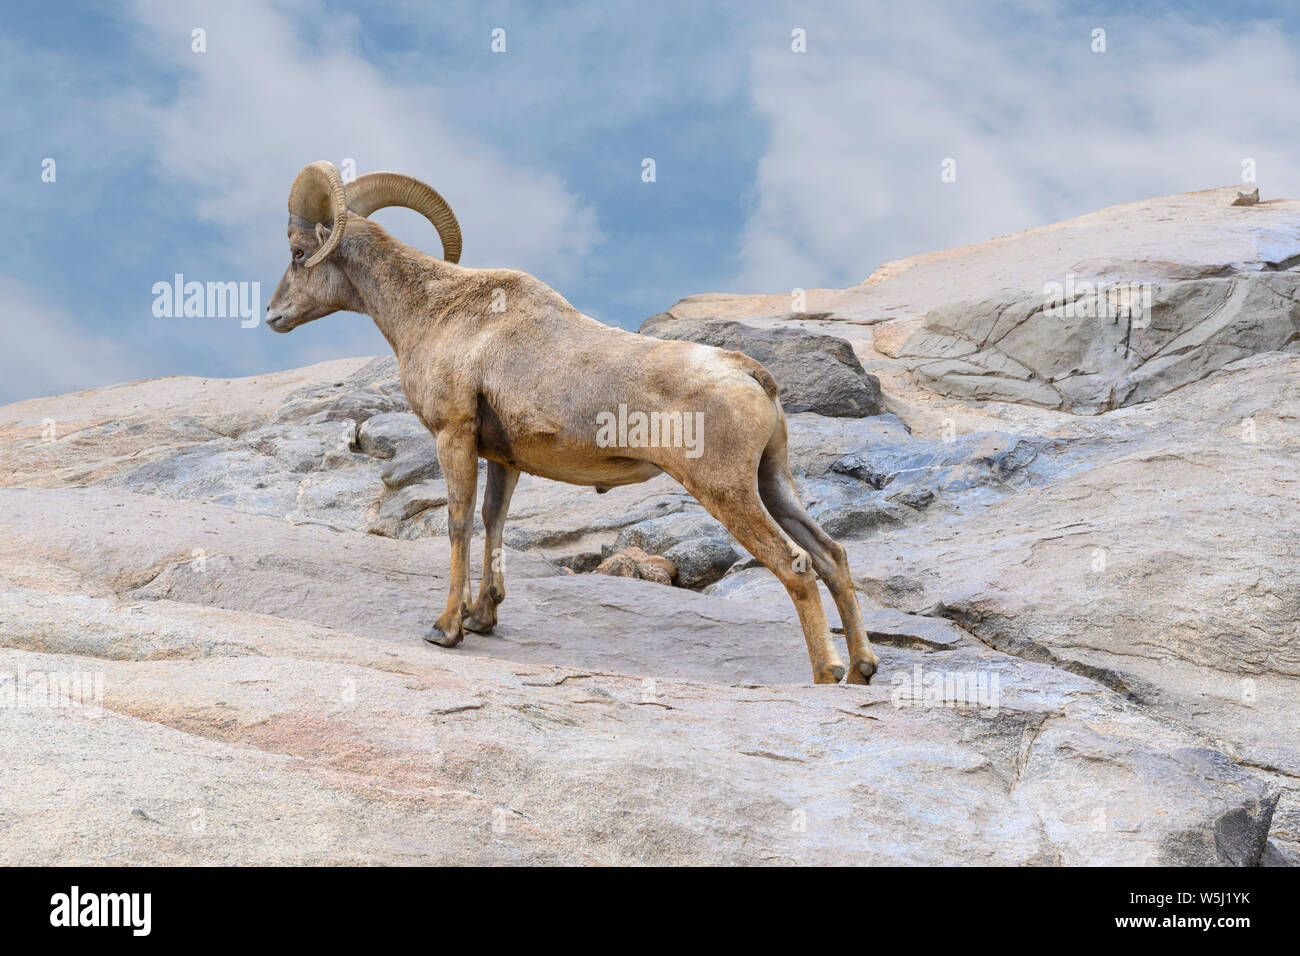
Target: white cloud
<point>1041,127</point>
<point>283,85</point>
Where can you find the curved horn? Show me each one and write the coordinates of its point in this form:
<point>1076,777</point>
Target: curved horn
<point>318,196</point>
<point>377,190</point>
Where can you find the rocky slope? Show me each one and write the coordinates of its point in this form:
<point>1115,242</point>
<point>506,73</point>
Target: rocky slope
<point>1074,543</point>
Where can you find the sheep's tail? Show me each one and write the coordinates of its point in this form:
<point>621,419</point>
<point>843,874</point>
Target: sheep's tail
<point>764,378</point>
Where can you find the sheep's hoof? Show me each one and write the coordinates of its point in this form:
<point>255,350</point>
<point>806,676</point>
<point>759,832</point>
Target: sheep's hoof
<point>861,671</point>
<point>436,635</point>
<point>831,675</point>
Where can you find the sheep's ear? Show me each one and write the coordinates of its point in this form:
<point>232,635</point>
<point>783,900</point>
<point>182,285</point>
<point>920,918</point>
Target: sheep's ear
<point>322,233</point>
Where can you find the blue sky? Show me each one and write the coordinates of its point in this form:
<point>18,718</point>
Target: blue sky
<point>775,169</point>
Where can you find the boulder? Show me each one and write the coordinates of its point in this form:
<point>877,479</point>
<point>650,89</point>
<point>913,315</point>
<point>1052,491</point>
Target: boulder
<point>699,547</point>
<point>701,561</point>
<point>384,435</point>
<point>815,373</point>
<point>413,511</point>
<point>415,460</point>
<point>656,535</point>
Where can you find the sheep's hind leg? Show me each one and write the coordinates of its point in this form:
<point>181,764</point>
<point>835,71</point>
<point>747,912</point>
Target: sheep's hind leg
<point>496,502</point>
<point>458,456</point>
<point>777,490</point>
<point>741,511</point>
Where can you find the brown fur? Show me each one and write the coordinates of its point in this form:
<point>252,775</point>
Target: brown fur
<point>522,387</point>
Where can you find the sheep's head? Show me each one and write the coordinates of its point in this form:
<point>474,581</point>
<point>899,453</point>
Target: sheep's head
<point>315,283</point>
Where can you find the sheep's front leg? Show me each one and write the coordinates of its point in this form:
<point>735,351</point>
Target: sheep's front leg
<point>496,502</point>
<point>458,456</point>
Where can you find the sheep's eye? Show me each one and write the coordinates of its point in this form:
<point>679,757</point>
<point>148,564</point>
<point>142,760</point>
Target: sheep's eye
<point>297,253</point>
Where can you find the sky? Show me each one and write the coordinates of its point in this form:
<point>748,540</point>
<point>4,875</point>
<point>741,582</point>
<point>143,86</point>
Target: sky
<point>774,167</point>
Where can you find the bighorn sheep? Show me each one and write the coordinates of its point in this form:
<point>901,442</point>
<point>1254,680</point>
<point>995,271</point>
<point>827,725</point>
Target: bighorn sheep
<point>497,365</point>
